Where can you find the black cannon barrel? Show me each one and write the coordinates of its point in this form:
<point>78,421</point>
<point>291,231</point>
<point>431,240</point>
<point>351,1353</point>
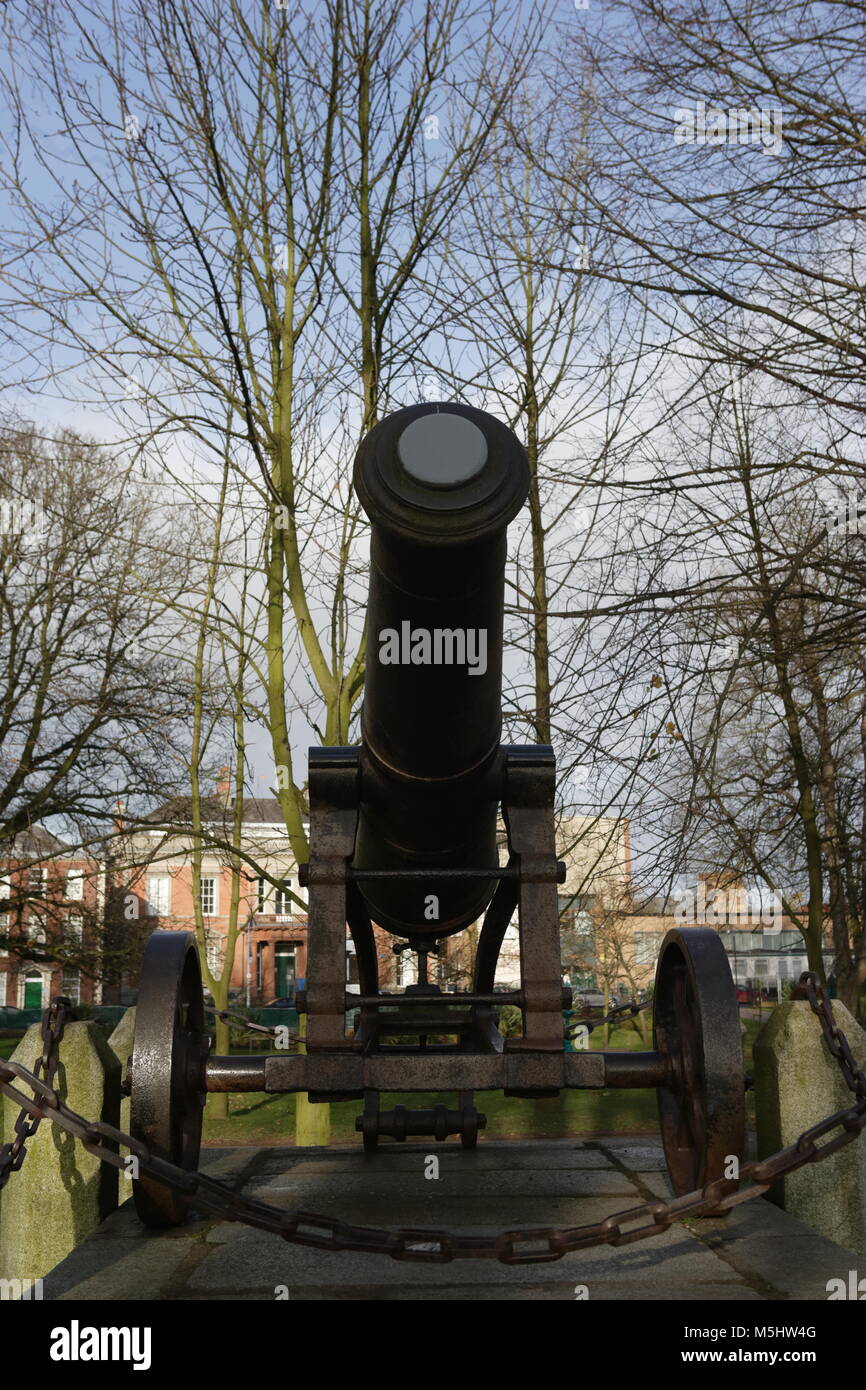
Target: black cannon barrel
<point>440,484</point>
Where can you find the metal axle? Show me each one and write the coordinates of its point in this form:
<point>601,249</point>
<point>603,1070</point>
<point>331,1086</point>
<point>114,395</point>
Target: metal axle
<point>333,1075</point>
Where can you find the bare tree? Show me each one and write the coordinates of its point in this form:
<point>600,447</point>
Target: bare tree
<point>255,221</point>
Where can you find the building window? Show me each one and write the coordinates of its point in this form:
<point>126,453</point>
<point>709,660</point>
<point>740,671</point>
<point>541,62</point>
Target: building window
<point>209,897</point>
<point>36,931</point>
<point>37,883</point>
<point>75,925</point>
<point>260,964</point>
<point>70,985</point>
<point>75,885</point>
<point>264,889</point>
<point>3,978</point>
<point>646,946</point>
<point>282,900</point>
<point>158,895</point>
<point>5,894</point>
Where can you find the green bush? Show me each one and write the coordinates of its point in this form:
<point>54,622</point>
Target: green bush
<point>510,1021</point>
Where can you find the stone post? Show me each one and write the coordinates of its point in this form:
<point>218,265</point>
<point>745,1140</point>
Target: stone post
<point>798,1083</point>
<point>62,1192</point>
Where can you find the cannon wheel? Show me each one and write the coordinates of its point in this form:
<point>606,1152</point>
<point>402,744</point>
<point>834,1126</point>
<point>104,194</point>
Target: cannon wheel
<point>696,1026</point>
<point>167,1094</point>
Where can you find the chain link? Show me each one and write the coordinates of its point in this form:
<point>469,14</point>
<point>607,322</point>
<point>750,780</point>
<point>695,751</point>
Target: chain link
<point>440,1247</point>
<point>246,1025</point>
<point>615,1015</point>
<point>54,1020</point>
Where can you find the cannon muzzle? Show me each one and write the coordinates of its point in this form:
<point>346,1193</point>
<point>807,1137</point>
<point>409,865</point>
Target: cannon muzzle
<point>440,484</point>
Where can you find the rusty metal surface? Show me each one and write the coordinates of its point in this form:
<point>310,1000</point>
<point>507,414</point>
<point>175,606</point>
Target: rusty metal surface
<point>696,1026</point>
<point>528,811</point>
<point>492,934</point>
<point>235,1073</point>
<point>434,1071</point>
<point>634,1070</point>
<point>401,1123</point>
<point>440,1247</point>
<point>167,1067</point>
<point>333,792</point>
<point>403,828</point>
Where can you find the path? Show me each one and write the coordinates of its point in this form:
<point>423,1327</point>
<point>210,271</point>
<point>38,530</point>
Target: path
<point>758,1252</point>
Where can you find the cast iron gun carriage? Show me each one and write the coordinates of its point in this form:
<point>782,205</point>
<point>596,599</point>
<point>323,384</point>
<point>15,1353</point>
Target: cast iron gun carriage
<point>403,833</point>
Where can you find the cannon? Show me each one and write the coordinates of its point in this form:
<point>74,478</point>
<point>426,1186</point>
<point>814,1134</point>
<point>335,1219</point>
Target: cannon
<point>404,835</point>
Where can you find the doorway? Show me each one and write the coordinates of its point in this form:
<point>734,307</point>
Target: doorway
<point>33,990</point>
<point>284,969</point>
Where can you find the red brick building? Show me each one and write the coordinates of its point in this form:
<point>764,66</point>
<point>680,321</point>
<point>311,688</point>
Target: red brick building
<point>52,902</point>
<point>267,908</point>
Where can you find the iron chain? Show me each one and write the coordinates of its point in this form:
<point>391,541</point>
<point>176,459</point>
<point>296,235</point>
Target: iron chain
<point>440,1247</point>
<point>245,1025</point>
<point>54,1020</point>
<point>616,1015</point>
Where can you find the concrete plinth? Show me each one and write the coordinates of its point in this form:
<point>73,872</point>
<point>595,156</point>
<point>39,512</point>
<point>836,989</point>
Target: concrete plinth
<point>61,1192</point>
<point>798,1083</point>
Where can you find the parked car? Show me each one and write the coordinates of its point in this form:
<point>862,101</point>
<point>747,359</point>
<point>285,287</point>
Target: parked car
<point>591,998</point>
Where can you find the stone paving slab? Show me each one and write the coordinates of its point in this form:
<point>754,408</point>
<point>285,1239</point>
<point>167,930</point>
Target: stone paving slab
<point>757,1253</point>
<point>371,1184</point>
<point>470,1215</point>
<point>473,1161</point>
